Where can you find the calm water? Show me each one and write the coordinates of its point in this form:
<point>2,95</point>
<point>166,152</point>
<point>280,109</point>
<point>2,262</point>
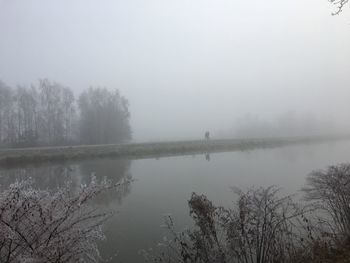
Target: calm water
<point>163,186</point>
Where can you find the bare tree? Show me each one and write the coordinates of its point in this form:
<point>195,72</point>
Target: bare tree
<point>104,117</point>
<point>26,107</point>
<point>51,112</point>
<point>68,105</point>
<point>5,112</point>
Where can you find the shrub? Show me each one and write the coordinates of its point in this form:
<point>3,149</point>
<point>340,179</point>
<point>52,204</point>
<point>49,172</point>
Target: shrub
<point>46,226</point>
<point>261,228</point>
<point>330,191</point>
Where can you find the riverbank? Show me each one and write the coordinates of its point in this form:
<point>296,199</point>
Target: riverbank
<point>148,150</point>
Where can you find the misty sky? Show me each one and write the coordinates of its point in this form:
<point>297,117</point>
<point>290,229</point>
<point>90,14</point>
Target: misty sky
<point>186,66</point>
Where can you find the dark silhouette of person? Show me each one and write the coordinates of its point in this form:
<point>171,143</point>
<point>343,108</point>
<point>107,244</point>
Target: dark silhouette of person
<point>207,135</point>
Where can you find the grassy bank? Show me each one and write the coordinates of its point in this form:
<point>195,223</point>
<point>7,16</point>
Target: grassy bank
<point>147,150</point>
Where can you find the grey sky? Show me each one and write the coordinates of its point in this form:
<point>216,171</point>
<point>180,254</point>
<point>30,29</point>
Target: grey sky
<point>185,65</point>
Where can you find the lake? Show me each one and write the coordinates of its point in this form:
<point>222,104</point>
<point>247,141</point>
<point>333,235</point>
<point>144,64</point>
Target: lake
<point>163,186</point>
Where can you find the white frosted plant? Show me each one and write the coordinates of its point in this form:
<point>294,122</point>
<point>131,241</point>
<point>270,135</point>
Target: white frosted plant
<point>51,226</point>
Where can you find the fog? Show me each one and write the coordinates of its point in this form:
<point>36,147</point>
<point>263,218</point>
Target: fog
<point>186,66</point>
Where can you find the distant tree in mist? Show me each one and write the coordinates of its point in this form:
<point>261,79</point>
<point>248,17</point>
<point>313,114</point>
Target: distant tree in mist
<point>104,117</point>
<point>26,107</point>
<point>36,115</point>
<point>5,111</point>
<point>56,112</point>
<point>46,114</point>
<point>286,125</point>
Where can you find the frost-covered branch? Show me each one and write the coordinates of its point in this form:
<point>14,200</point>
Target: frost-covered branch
<point>339,5</point>
<point>262,228</point>
<point>46,226</point>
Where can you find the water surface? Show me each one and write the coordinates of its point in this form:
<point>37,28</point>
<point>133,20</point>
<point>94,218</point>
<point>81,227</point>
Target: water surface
<point>164,185</point>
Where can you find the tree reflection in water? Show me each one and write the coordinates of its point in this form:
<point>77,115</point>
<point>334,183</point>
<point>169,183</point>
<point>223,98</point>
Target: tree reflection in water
<point>54,175</point>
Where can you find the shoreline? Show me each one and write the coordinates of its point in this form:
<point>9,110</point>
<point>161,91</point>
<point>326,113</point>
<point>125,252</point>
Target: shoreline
<point>19,156</point>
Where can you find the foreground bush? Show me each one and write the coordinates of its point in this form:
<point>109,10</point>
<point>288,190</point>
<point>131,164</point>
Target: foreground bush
<point>261,228</point>
<point>44,226</point>
<point>330,189</point>
<point>266,228</point>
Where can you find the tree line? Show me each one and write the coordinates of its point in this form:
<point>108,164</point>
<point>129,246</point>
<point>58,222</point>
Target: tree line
<point>289,124</point>
<point>48,114</point>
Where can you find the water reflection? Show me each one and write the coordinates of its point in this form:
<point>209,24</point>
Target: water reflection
<point>45,177</point>
<point>207,157</point>
<point>52,176</point>
<point>114,170</point>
